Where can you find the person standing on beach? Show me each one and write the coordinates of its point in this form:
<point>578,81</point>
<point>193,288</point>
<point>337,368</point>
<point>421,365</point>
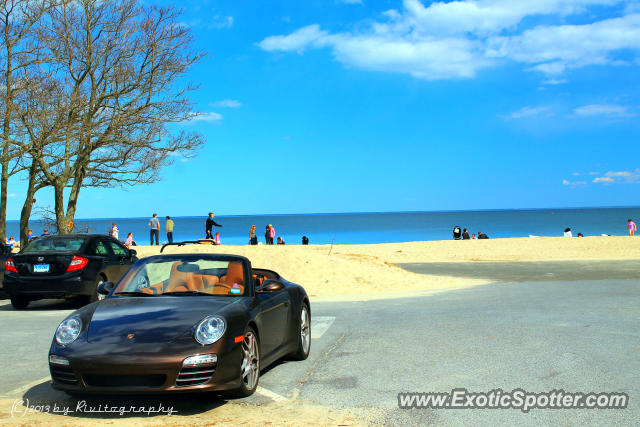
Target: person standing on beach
<point>169,228</point>
<point>272,232</point>
<point>114,230</point>
<point>253,239</point>
<point>154,224</point>
<point>632,228</point>
<point>267,235</point>
<point>209,226</point>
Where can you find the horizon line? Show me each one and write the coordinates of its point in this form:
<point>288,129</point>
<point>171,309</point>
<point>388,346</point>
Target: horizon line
<point>359,212</point>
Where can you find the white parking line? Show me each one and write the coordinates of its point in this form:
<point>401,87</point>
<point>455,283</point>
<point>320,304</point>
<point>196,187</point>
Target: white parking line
<point>320,325</point>
<point>268,393</point>
<point>26,387</point>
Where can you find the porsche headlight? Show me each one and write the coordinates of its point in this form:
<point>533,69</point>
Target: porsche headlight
<point>210,329</point>
<point>68,330</point>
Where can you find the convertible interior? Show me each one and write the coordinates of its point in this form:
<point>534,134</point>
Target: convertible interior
<point>189,277</point>
<point>216,280</point>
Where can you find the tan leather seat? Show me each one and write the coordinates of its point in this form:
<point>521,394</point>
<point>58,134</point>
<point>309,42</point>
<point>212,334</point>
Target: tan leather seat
<point>234,276</point>
<point>180,281</point>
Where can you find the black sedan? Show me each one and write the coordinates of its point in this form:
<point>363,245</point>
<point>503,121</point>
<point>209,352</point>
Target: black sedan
<point>185,322</point>
<point>65,266</point>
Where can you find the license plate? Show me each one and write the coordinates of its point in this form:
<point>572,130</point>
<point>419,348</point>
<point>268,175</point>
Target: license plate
<point>41,268</point>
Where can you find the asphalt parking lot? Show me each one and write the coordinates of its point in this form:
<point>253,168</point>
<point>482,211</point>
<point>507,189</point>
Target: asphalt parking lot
<point>539,336</point>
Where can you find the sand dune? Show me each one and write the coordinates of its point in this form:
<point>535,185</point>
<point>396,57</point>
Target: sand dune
<point>369,270</point>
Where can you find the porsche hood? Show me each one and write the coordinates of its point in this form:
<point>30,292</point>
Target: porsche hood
<point>151,319</point>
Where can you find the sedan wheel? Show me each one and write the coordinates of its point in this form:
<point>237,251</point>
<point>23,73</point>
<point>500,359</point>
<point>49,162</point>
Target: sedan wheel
<point>19,303</point>
<point>99,297</point>
<point>250,365</point>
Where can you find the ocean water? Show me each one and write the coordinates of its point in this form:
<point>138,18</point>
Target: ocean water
<point>354,228</point>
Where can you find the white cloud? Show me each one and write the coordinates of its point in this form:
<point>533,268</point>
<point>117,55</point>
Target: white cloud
<point>227,103</point>
<point>603,180</point>
<point>10,195</point>
<point>527,112</point>
<point>221,22</point>
<point>458,38</point>
<point>573,183</point>
<point>206,117</point>
<point>594,173</point>
<point>619,177</point>
<point>555,48</point>
<point>609,110</point>
<point>297,41</point>
<point>552,81</point>
<point>576,174</point>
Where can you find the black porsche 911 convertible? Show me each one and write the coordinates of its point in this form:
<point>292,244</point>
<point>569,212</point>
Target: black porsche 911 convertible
<point>182,322</point>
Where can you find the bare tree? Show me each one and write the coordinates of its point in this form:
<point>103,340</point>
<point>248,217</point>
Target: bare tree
<point>18,51</point>
<point>43,111</point>
<point>112,71</point>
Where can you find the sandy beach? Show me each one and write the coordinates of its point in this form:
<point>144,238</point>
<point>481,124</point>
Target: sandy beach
<point>370,271</point>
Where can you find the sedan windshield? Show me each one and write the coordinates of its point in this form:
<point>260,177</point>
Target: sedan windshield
<point>59,244</point>
<point>177,277</point>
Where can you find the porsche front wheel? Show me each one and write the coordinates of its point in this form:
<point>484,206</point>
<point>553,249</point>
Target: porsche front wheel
<point>249,365</point>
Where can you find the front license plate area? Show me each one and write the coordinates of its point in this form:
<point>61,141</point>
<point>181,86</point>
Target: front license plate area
<point>41,268</point>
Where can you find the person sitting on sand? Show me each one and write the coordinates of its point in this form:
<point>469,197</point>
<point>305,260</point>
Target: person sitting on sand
<point>11,242</point>
<point>567,232</point>
<point>30,235</point>
<point>456,232</point>
<point>632,228</point>
<point>280,241</point>
<point>580,235</point>
<point>473,237</point>
<point>465,234</point>
<point>129,242</point>
<point>481,235</point>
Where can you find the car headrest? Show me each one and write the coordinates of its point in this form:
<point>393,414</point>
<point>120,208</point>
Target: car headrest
<point>188,268</point>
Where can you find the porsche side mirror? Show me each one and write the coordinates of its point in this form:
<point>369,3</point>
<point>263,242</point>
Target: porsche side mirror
<point>105,288</point>
<point>270,285</point>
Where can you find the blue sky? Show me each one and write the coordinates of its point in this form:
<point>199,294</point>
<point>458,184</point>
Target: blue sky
<point>351,106</point>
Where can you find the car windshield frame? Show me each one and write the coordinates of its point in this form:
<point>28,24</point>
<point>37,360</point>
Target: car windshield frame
<point>38,242</point>
<point>123,286</point>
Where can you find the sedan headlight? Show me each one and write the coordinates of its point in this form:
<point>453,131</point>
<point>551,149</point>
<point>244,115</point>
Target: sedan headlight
<point>210,329</point>
<point>68,330</point>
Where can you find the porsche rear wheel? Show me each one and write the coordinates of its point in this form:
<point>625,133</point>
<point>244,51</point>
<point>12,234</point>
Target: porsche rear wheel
<point>304,335</point>
<point>249,365</point>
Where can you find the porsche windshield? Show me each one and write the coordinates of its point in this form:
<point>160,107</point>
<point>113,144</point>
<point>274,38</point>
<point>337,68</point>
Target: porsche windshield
<point>180,277</point>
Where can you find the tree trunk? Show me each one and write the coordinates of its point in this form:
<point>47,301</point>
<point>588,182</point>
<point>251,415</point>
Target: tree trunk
<point>58,192</point>
<point>6,134</point>
<point>72,203</point>
<point>25,214</point>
